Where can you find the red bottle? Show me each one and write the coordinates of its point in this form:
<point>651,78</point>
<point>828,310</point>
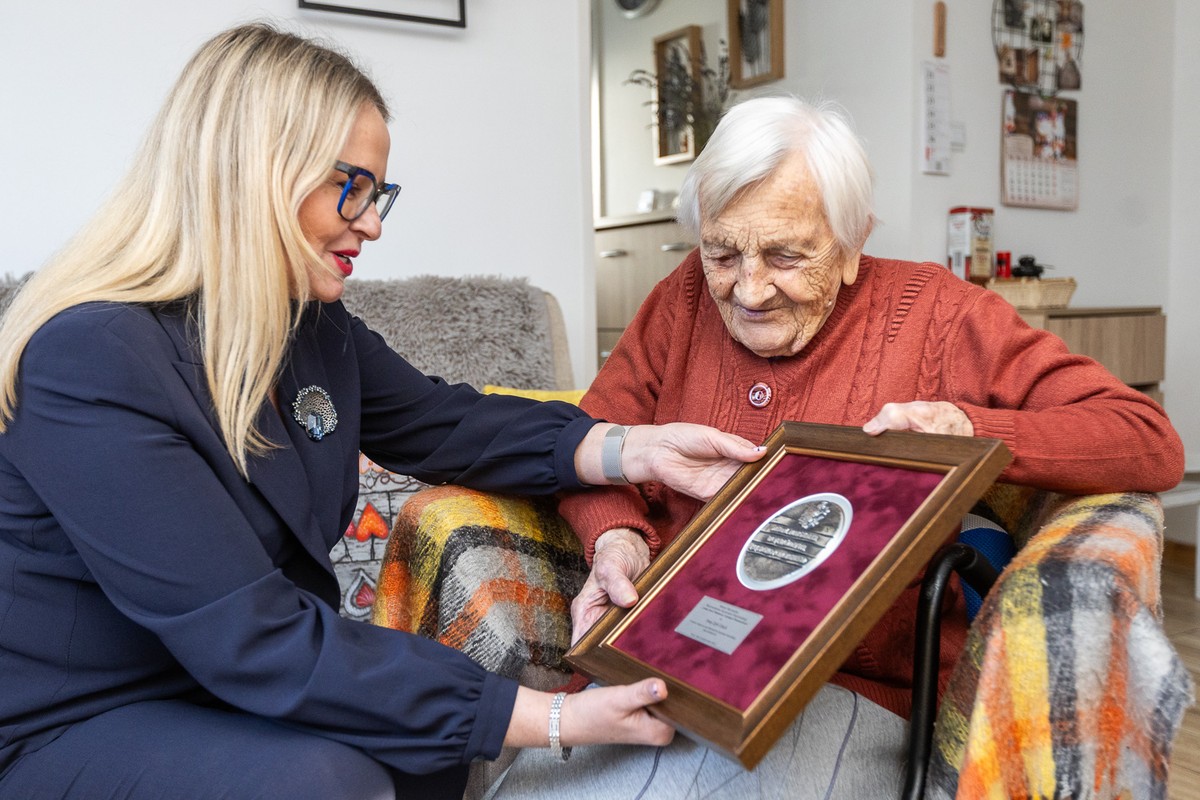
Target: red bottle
<point>1003,264</point>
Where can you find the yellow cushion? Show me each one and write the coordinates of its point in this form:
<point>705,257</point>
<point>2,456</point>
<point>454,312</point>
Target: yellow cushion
<point>572,396</point>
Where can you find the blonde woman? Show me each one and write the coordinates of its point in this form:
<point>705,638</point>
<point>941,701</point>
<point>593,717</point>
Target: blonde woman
<point>182,401</point>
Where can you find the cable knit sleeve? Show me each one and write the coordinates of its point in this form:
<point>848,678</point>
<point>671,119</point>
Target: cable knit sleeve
<point>627,390</point>
<point>1070,424</point>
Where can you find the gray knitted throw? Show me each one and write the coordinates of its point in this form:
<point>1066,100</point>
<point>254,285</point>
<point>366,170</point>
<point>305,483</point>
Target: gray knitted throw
<point>475,330</point>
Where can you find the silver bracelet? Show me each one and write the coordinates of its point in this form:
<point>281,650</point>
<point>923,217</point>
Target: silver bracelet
<point>556,748</point>
<point>610,455</point>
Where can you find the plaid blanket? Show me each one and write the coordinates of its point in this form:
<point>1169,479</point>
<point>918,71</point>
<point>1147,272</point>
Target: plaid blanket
<point>1068,686</point>
<point>490,575</point>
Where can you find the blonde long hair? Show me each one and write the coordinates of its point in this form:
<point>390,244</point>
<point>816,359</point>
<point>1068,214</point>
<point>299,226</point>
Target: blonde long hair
<point>209,212</point>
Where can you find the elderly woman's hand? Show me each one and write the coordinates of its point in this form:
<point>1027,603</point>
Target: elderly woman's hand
<point>925,417</point>
<point>621,555</point>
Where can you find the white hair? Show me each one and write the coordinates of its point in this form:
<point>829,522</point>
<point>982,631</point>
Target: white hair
<point>753,139</point>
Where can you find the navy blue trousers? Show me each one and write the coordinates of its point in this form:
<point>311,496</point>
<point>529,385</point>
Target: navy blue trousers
<point>174,749</point>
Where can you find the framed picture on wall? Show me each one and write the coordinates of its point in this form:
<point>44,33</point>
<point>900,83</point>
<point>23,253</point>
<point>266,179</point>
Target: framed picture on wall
<point>755,42</point>
<point>676,87</point>
<point>452,13</point>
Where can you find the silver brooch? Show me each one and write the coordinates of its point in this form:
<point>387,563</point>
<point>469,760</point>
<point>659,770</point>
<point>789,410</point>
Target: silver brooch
<point>315,412</point>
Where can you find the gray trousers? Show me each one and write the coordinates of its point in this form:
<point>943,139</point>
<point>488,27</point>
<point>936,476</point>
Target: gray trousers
<point>842,746</point>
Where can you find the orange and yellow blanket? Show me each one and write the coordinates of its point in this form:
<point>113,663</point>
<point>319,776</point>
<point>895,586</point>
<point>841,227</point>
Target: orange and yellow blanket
<point>1068,687</point>
<point>487,574</point>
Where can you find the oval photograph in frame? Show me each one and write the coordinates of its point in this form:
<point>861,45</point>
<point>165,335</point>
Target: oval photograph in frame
<point>794,541</point>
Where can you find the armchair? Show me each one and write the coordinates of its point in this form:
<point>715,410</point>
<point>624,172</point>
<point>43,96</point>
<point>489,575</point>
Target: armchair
<point>1068,685</point>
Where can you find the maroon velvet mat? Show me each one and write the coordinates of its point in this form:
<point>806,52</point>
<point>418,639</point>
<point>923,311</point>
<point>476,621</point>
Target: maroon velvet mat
<point>883,498</point>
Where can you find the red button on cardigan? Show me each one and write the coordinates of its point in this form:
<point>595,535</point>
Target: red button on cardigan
<point>760,395</point>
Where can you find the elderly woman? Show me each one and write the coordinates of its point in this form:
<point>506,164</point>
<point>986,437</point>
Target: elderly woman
<point>779,316</point>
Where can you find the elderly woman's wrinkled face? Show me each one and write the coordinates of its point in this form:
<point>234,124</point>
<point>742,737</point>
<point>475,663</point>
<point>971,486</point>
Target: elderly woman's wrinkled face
<point>772,263</point>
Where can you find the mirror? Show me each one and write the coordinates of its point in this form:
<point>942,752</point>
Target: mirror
<point>623,138</point>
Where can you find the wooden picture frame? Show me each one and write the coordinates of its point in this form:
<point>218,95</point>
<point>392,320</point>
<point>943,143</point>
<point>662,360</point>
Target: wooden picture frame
<point>450,13</point>
<point>676,84</point>
<point>846,521</point>
<point>755,42</point>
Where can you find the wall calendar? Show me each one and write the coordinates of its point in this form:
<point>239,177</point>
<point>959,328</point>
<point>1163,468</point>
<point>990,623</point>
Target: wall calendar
<point>1039,154</point>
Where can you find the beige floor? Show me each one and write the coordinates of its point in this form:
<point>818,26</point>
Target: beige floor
<point>1181,618</point>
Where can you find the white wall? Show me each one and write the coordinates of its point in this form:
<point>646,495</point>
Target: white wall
<point>1134,239</point>
<point>861,55</point>
<point>485,140</point>
<point>1183,281</point>
<point>491,138</point>
<point>1116,244</point>
<point>867,55</point>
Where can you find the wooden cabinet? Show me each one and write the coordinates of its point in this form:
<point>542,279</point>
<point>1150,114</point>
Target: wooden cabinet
<point>1129,341</point>
<point>631,257</point>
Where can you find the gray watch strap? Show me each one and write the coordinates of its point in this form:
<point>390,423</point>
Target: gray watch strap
<point>610,455</point>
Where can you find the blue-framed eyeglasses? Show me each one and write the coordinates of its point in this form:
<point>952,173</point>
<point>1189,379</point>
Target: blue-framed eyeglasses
<point>362,191</point>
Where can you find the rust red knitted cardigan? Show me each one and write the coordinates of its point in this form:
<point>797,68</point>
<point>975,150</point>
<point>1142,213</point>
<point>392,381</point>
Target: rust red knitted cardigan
<point>903,331</point>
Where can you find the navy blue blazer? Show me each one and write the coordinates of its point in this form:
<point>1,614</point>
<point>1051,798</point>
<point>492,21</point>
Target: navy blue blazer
<point>136,562</point>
